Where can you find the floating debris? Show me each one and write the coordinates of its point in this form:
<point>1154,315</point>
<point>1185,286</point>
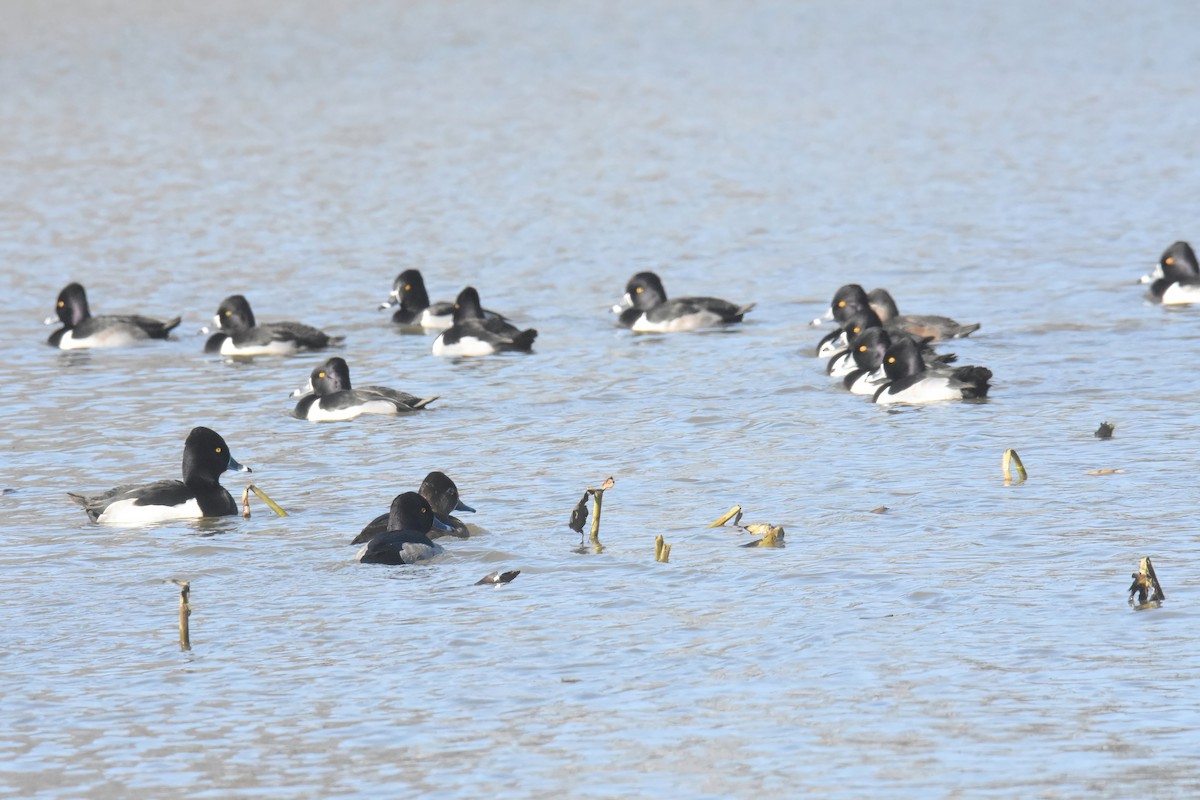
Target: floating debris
<point>1105,431</point>
<point>772,535</point>
<point>185,611</point>
<point>498,578</point>
<point>579,513</point>
<point>734,514</point>
<point>1106,472</point>
<point>662,550</point>
<point>1011,457</point>
<point>1145,585</point>
<point>880,510</point>
<point>250,487</point>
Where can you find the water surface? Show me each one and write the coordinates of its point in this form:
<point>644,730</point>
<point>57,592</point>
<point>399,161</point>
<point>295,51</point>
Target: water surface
<point>1017,165</point>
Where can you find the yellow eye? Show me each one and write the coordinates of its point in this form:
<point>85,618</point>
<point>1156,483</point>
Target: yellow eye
<point>638,290</point>
<point>841,303</point>
<point>423,509</point>
<point>891,359</point>
<point>858,330</point>
<point>1169,260</point>
<point>229,313</point>
<point>456,306</point>
<point>218,449</point>
<point>61,304</point>
<point>320,374</point>
<point>408,287</point>
<point>862,349</point>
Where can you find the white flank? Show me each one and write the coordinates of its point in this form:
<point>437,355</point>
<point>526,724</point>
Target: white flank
<point>436,321</point>
<point>466,346</point>
<point>276,348</point>
<point>127,512</point>
<point>318,414</point>
<point>843,366</point>
<point>834,346</point>
<point>688,322</point>
<point>928,390</point>
<point>120,336</point>
<point>869,383</point>
<point>1177,294</point>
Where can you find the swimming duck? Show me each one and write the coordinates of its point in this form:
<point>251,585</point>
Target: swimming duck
<point>406,540</point>
<point>328,397</point>
<point>910,382</point>
<point>868,350</point>
<point>1178,281</point>
<point>646,309</point>
<point>928,326</point>
<point>199,494</point>
<point>240,335</point>
<point>408,292</point>
<point>474,334</point>
<point>81,330</point>
<point>852,298</point>
<point>442,494</point>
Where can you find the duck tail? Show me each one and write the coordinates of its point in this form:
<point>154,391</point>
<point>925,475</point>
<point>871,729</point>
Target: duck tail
<point>424,401</point>
<point>743,310</point>
<point>976,380</point>
<point>966,330</point>
<point>83,501</point>
<point>170,325</point>
<point>523,340</point>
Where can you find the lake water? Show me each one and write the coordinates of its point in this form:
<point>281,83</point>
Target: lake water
<point>1015,164</point>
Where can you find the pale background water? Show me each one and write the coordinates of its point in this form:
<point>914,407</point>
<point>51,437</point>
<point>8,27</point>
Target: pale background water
<point>1016,164</point>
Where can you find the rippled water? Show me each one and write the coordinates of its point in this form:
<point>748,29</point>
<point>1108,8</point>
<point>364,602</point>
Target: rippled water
<point>1017,165</point>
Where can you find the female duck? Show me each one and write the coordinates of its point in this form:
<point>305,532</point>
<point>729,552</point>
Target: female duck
<point>328,397</point>
<point>474,334</point>
<point>852,298</point>
<point>199,494</point>
<point>406,540</point>
<point>241,336</point>
<point>910,382</point>
<point>442,494</point>
<point>81,330</point>
<point>928,326</point>
<point>646,309</point>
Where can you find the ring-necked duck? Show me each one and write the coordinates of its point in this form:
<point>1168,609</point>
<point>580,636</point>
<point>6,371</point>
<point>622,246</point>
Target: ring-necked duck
<point>406,540</point>
<point>328,397</point>
<point>646,309</point>
<point>474,334</point>
<point>852,298</point>
<point>199,494</point>
<point>1178,281</point>
<point>415,310</point>
<point>81,330</point>
<point>241,336</point>
<point>910,382</point>
<point>442,494</point>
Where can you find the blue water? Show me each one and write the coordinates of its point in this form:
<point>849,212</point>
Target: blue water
<point>1018,165</point>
